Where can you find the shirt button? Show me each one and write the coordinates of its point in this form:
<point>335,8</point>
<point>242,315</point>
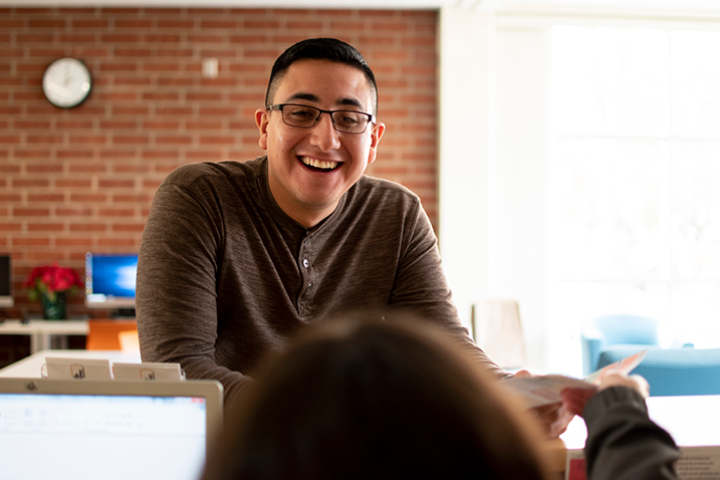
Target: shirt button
<point>309,287</point>
<point>306,263</point>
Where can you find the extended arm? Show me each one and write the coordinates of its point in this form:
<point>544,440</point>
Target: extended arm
<point>623,443</point>
<point>421,288</point>
<point>176,285</point>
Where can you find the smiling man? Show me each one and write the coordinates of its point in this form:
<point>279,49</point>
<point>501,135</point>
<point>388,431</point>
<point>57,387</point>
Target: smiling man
<point>237,257</point>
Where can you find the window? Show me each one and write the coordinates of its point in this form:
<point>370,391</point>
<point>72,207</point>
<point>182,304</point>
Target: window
<point>634,178</point>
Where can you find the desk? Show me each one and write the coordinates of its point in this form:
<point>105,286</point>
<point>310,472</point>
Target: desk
<point>29,367</point>
<point>691,420</point>
<point>41,331</point>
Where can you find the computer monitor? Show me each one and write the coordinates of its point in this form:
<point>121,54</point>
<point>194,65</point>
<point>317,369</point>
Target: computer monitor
<point>115,429</point>
<point>110,280</point>
<point>6,298</point>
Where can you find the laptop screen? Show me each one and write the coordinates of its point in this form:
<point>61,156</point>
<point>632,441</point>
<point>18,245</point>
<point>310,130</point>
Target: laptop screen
<point>53,436</point>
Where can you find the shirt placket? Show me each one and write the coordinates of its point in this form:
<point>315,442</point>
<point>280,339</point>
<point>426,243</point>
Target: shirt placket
<point>305,263</point>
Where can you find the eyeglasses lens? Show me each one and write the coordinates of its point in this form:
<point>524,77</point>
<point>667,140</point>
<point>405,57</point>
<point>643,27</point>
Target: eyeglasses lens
<point>345,121</point>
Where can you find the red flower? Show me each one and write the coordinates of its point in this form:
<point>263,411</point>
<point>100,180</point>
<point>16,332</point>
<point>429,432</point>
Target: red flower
<point>49,280</point>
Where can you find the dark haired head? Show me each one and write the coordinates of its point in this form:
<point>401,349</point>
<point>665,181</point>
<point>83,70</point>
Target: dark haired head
<point>358,400</point>
<point>330,49</point>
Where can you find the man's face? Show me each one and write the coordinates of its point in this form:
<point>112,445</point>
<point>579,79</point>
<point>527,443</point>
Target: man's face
<point>311,168</point>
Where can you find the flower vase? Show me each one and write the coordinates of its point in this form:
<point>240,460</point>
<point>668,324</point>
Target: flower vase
<point>56,310</point>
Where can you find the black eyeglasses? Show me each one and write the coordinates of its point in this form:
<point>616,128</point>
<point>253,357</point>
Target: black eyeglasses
<point>305,116</point>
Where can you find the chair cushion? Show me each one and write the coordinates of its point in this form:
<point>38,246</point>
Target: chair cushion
<point>674,371</point>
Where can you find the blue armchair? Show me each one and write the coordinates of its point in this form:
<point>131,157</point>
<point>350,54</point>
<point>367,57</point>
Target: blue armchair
<point>615,331</point>
<point>674,371</point>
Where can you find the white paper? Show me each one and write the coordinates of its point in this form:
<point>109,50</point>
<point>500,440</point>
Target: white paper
<point>77,368</point>
<point>153,372</point>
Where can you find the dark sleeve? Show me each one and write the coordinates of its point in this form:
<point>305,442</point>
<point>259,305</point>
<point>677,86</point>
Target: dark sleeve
<point>623,443</point>
<point>421,288</point>
<point>176,284</point>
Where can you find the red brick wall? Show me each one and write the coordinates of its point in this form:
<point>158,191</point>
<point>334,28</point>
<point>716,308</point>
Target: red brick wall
<point>80,180</point>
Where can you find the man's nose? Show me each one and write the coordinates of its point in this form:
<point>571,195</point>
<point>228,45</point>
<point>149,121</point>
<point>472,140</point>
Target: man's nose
<point>323,135</point>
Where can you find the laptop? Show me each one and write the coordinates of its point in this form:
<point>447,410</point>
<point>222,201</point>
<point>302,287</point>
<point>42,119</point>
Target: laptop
<point>70,429</point>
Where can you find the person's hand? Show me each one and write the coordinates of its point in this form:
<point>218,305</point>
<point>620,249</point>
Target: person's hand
<point>553,418</point>
<point>575,399</point>
<point>636,382</point>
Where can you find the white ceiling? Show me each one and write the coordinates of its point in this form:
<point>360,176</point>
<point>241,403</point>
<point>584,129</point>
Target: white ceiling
<point>649,6</point>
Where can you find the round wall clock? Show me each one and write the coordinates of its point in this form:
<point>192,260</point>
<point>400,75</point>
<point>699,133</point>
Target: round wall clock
<point>66,82</point>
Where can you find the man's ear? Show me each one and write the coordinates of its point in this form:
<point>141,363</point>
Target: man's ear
<point>261,120</point>
<point>375,137</point>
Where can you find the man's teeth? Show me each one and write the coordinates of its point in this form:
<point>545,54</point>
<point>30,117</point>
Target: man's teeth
<point>311,162</point>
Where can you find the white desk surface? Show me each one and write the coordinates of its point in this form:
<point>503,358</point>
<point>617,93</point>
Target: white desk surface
<point>29,367</point>
<point>691,420</point>
<point>49,327</point>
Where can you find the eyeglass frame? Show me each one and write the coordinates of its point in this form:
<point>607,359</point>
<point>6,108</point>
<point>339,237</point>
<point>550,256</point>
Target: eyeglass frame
<point>280,106</point>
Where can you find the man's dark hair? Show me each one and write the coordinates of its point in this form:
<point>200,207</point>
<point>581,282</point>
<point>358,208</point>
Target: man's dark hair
<point>330,49</point>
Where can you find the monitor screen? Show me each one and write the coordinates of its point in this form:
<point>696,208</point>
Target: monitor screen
<point>115,435</point>
<point>110,280</point>
<point>6,299</point>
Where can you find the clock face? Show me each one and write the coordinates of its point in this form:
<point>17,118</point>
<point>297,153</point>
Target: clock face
<point>66,82</point>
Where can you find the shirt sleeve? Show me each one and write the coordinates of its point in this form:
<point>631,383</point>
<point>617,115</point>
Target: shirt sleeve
<point>623,443</point>
<point>176,285</point>
<point>421,288</point>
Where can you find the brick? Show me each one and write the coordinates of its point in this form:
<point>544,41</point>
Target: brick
<point>175,52</point>
<point>120,38</point>
<point>133,139</point>
<point>117,124</point>
<point>46,23</point>
<point>138,111</point>
<point>203,96</point>
<point>10,227</point>
<point>216,24</point>
<point>31,212</point>
<point>179,24</point>
<point>129,227</point>
<point>159,154</point>
<point>205,38</point>
<point>132,52</point>
<point>90,23</point>
<point>174,111</point>
<point>30,242</point>
<point>44,139</point>
<point>75,154</point>
<point>173,140</point>
<point>132,81</point>
<point>73,242</point>
<point>73,183</point>
<point>88,227</point>
<point>118,67</point>
<point>73,212</point>
<point>161,67</point>
<point>217,140</point>
<point>160,96</point>
<point>175,82</point>
<point>135,198</point>
<point>31,153</point>
<point>33,38</point>
<point>140,24</point>
<point>88,197</point>
<point>45,227</point>
<point>88,139</point>
<point>47,168</point>
<point>161,125</point>
<point>161,38</point>
<point>76,38</point>
<point>26,183</point>
<point>118,96</point>
<point>117,242</point>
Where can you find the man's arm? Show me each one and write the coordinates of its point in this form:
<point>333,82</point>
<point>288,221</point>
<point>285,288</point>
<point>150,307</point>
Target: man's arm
<point>176,285</point>
<point>421,288</point>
